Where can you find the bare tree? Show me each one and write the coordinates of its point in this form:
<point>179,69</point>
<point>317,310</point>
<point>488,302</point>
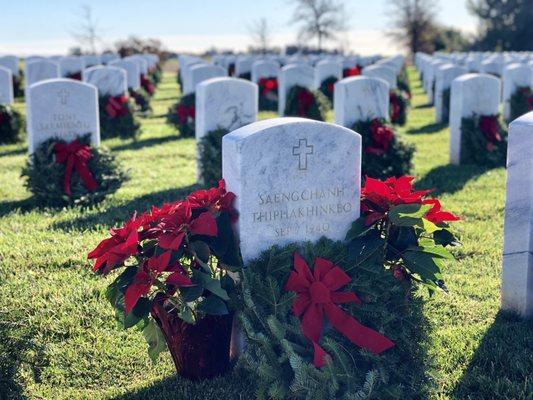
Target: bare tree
<point>414,24</point>
<point>320,19</point>
<point>86,32</point>
<point>261,34</point>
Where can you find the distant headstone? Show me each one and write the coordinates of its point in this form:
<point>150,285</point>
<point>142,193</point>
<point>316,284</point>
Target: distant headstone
<point>40,70</point>
<point>360,98</point>
<point>326,69</point>
<point>443,81</point>
<point>11,63</point>
<point>514,76</point>
<point>265,69</point>
<point>90,60</point>
<point>133,73</point>
<point>70,65</point>
<point>290,76</point>
<point>224,103</point>
<point>62,108</point>
<point>243,66</point>
<point>106,58</point>
<point>295,179</point>
<point>470,94</point>
<point>517,276</point>
<point>6,86</point>
<point>385,73</point>
<point>109,80</point>
<point>200,73</point>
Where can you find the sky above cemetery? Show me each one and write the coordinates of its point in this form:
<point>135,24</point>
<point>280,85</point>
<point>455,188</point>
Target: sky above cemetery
<point>44,27</point>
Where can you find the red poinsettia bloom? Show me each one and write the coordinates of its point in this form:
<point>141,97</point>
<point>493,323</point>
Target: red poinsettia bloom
<point>305,100</point>
<point>214,199</point>
<point>378,197</point>
<point>382,136</point>
<point>436,215</point>
<point>185,113</point>
<point>489,126</point>
<point>144,279</point>
<point>175,227</point>
<point>117,106</point>
<point>122,244</point>
<point>394,106</point>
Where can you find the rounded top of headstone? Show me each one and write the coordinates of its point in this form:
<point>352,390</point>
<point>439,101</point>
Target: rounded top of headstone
<point>225,80</point>
<point>62,82</point>
<point>477,76</point>
<point>301,67</point>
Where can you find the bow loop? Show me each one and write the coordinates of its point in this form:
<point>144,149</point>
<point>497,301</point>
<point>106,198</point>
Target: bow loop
<point>76,157</point>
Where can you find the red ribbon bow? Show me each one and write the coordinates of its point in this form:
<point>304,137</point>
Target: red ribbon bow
<point>185,112</point>
<point>382,136</point>
<point>305,99</point>
<point>76,156</point>
<point>489,126</point>
<point>116,106</point>
<point>318,297</point>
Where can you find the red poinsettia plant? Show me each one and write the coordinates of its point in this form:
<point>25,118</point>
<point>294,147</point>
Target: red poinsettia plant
<point>403,229</point>
<point>175,260</point>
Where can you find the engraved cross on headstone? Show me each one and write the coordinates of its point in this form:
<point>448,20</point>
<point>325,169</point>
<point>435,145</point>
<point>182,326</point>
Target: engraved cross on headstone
<point>63,96</point>
<point>302,151</point>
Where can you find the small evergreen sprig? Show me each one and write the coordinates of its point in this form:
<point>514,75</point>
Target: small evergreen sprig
<point>302,102</point>
<point>483,141</point>
<point>183,116</point>
<point>210,150</point>
<point>11,124</point>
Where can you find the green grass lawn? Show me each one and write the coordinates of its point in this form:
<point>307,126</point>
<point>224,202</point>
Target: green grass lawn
<point>58,338</point>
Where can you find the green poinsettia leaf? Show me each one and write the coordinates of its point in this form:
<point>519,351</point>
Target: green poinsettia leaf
<point>201,249</point>
<point>139,313</point>
<point>425,265</point>
<point>185,313</point>
<point>408,214</point>
<point>366,248</point>
<point>211,284</point>
<point>429,226</point>
<point>357,229</point>
<point>155,339</point>
<point>213,305</point>
<point>445,237</point>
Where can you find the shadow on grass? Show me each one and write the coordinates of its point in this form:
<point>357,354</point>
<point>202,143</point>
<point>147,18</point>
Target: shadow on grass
<point>449,178</point>
<point>7,207</point>
<point>18,351</point>
<point>429,128</point>
<point>502,364</point>
<point>422,106</point>
<point>14,152</point>
<point>119,214</point>
<point>236,385</point>
<point>140,144</point>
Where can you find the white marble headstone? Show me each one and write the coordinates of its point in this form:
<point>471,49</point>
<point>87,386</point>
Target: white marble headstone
<point>243,66</point>
<point>470,94</point>
<point>143,64</point>
<point>109,80</point>
<point>326,69</point>
<point>40,70</point>
<point>443,80</point>
<point>265,69</point>
<point>90,60</point>
<point>133,73</point>
<point>295,180</point>
<point>514,76</point>
<point>517,275</point>
<point>385,73</point>
<point>6,86</point>
<point>106,58</point>
<point>62,108</point>
<point>200,73</point>
<point>70,65</point>
<point>293,75</point>
<point>360,98</point>
<point>226,103</point>
<point>11,63</point>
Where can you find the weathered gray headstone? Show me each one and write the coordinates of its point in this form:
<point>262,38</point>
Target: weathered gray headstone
<point>517,276</point>
<point>360,98</point>
<point>470,94</point>
<point>62,108</point>
<point>295,180</point>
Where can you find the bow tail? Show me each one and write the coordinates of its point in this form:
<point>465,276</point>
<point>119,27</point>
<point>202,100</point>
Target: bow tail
<point>82,169</point>
<point>358,334</point>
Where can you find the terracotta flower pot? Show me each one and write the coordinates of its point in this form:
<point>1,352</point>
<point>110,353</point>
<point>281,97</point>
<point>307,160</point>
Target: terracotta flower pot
<point>199,351</point>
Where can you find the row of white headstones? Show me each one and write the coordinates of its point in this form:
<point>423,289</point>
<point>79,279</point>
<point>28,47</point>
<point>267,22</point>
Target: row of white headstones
<point>476,89</point>
<point>440,70</point>
<point>297,179</point>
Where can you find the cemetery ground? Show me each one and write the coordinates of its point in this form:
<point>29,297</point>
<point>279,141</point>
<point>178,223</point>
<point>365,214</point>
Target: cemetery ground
<point>58,338</point>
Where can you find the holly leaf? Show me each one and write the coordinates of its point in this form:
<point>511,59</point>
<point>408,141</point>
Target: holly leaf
<point>213,305</point>
<point>155,339</point>
<point>408,214</point>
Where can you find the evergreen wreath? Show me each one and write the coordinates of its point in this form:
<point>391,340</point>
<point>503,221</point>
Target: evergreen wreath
<point>246,75</point>
<point>521,102</point>
<point>326,87</point>
<point>142,99</point>
<point>282,357</point>
<point>268,94</point>
<point>117,118</point>
<point>45,175</point>
<point>210,149</point>
<point>155,75</point>
<point>483,141</point>
<point>183,115</point>
<point>11,124</point>
<point>18,87</point>
<point>302,102</point>
<point>383,154</point>
<point>446,105</point>
<point>399,103</point>
<point>403,83</point>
